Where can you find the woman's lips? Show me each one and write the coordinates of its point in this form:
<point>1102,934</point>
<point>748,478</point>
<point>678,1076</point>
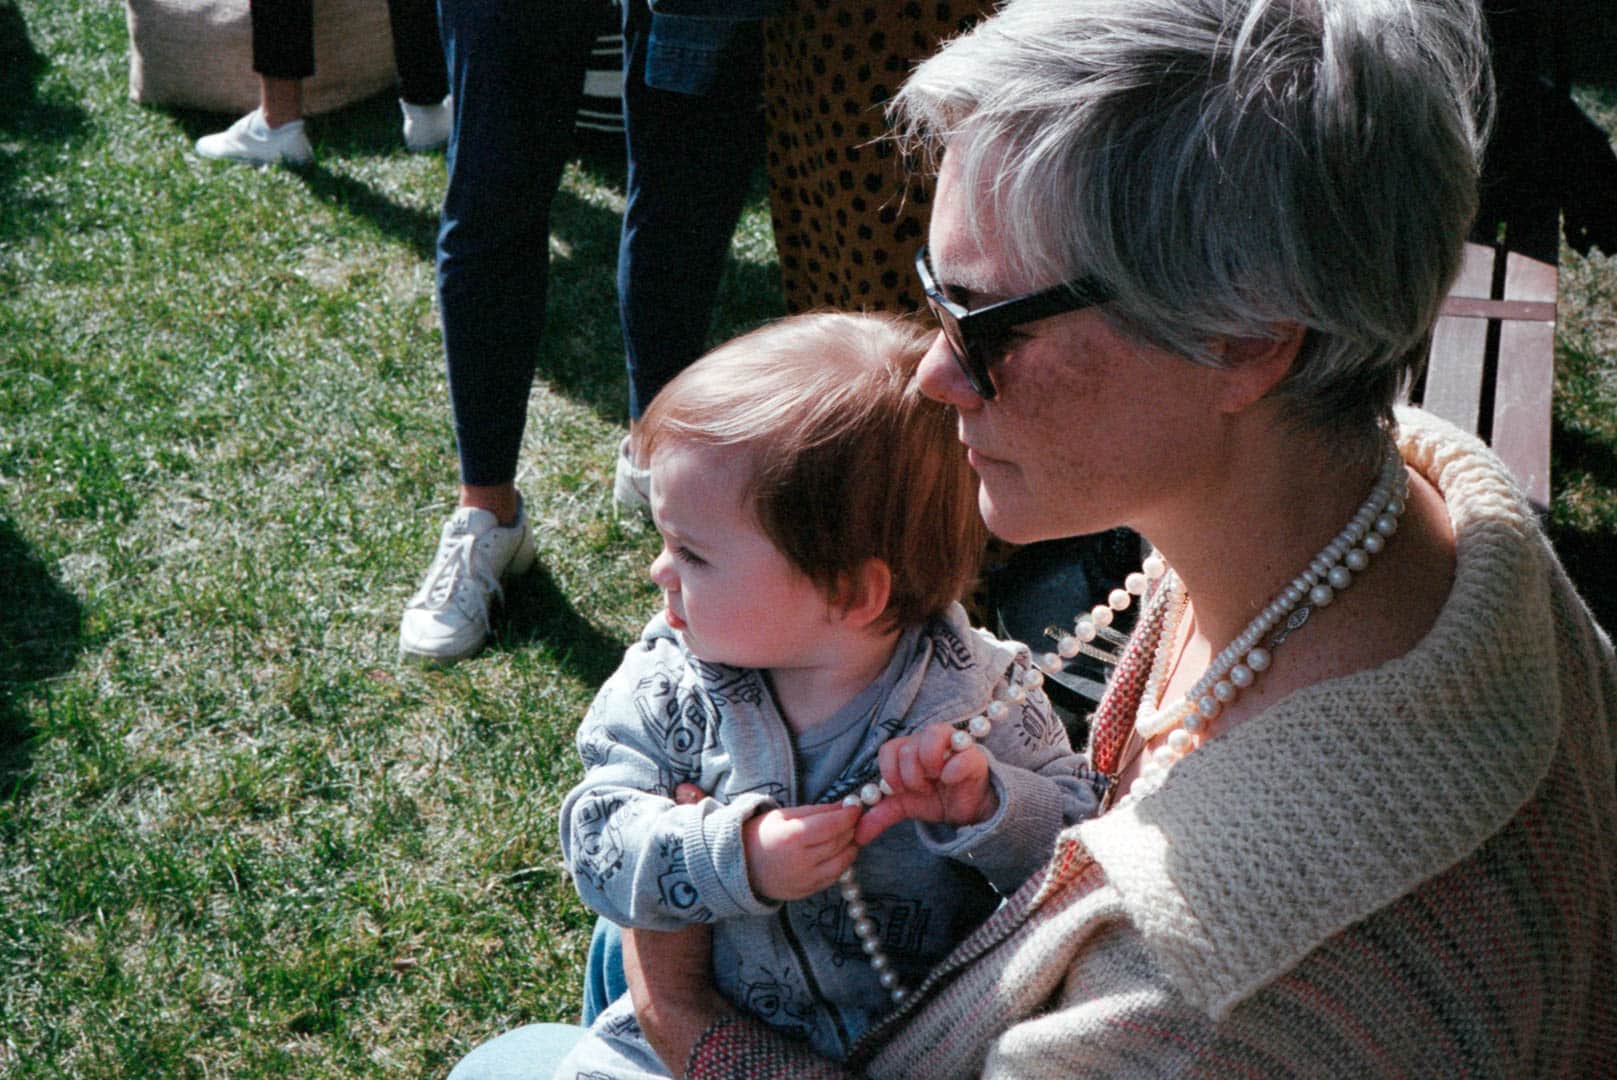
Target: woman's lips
<point>979,460</point>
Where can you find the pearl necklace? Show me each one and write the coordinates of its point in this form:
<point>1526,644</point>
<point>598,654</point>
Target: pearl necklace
<point>1096,623</point>
<point>1244,659</point>
<point>1233,670</point>
<point>1019,684</point>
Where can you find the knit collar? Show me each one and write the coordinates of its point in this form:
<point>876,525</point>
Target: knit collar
<point>1346,795</point>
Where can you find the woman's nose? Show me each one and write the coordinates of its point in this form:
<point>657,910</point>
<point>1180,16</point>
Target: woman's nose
<point>941,379</point>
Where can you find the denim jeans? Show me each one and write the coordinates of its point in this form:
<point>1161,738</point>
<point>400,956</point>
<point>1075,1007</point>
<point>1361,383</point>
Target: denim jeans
<point>525,1053</point>
<point>691,159</point>
<point>603,970</point>
<point>516,69</point>
<point>532,1052</point>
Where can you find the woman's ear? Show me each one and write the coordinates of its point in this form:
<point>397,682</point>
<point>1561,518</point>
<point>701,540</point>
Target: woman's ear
<point>865,591</point>
<point>1255,365</point>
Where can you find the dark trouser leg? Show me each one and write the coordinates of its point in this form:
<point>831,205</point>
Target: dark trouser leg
<point>418,51</point>
<point>516,70</point>
<point>283,38</point>
<point>691,158</point>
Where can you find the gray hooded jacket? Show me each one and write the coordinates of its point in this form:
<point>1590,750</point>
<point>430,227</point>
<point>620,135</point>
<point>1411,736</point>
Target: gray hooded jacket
<point>666,718</point>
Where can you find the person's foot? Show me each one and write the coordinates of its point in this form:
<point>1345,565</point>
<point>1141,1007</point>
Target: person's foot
<point>631,485</point>
<point>447,618</point>
<point>426,127</point>
<point>252,141</point>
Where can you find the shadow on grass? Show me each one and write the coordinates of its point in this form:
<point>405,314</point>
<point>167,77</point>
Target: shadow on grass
<point>27,120</point>
<point>40,634</point>
<point>582,319</point>
<point>408,225</point>
<point>1590,557</point>
<point>356,131</point>
<point>1588,40</point>
<point>581,354</point>
<point>536,609</point>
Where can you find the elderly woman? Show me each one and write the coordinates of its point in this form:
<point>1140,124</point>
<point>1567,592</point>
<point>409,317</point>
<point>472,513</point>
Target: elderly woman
<point>1184,253</point>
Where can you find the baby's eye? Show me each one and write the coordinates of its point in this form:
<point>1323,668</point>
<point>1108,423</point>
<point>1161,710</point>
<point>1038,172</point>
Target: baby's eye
<point>684,555</point>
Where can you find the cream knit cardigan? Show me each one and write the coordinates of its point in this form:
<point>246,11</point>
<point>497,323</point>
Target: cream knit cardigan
<point>1411,870</point>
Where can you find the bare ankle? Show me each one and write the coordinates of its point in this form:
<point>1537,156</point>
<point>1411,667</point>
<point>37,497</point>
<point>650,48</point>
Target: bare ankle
<point>501,500</point>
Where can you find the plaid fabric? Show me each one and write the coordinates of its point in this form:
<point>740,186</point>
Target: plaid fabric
<point>736,1048</point>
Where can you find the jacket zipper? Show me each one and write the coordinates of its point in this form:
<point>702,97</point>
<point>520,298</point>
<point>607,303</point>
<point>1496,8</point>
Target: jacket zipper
<point>794,786</point>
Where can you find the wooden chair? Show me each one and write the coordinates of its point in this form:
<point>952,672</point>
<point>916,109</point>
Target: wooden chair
<point>1491,369</point>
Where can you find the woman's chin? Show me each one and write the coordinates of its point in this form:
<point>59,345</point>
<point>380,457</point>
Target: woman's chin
<point>1026,520</point>
<point>1005,522</point>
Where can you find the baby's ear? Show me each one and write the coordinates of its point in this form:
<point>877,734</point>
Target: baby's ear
<point>864,594</point>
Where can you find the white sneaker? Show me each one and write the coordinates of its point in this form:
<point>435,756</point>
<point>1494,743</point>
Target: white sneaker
<point>254,142</point>
<point>631,485</point>
<point>426,127</point>
<point>447,618</point>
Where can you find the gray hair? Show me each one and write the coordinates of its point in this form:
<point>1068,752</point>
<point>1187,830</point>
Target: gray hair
<point>1229,167</point>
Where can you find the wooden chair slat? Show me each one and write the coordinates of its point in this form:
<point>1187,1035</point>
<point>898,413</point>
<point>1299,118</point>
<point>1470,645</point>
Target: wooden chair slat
<point>1455,370</point>
<point>1530,280</point>
<point>1525,385</point>
<point>1497,352</point>
<point>1471,307</point>
<point>1522,406</point>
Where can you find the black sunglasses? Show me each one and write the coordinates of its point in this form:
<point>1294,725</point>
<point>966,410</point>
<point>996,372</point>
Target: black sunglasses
<point>978,338</point>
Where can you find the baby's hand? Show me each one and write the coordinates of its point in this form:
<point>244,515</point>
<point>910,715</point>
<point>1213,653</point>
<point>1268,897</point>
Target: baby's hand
<point>930,781</point>
<point>797,851</point>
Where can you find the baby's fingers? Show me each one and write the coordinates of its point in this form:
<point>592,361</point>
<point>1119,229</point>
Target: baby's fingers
<point>936,747</point>
<point>887,760</point>
<point>912,768</point>
<point>969,766</point>
<point>878,819</point>
<point>822,823</point>
<point>828,869</point>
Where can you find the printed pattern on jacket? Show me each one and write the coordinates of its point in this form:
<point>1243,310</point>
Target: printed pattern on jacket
<point>666,718</point>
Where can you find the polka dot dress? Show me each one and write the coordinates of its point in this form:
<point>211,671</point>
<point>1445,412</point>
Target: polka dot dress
<point>848,213</point>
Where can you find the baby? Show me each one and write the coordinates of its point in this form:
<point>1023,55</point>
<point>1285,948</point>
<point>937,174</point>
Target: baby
<point>819,524</point>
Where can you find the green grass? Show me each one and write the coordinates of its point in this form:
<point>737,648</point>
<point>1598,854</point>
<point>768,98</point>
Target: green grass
<point>1583,466</point>
<point>236,837</point>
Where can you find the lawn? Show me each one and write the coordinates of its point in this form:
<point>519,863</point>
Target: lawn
<point>237,838</point>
